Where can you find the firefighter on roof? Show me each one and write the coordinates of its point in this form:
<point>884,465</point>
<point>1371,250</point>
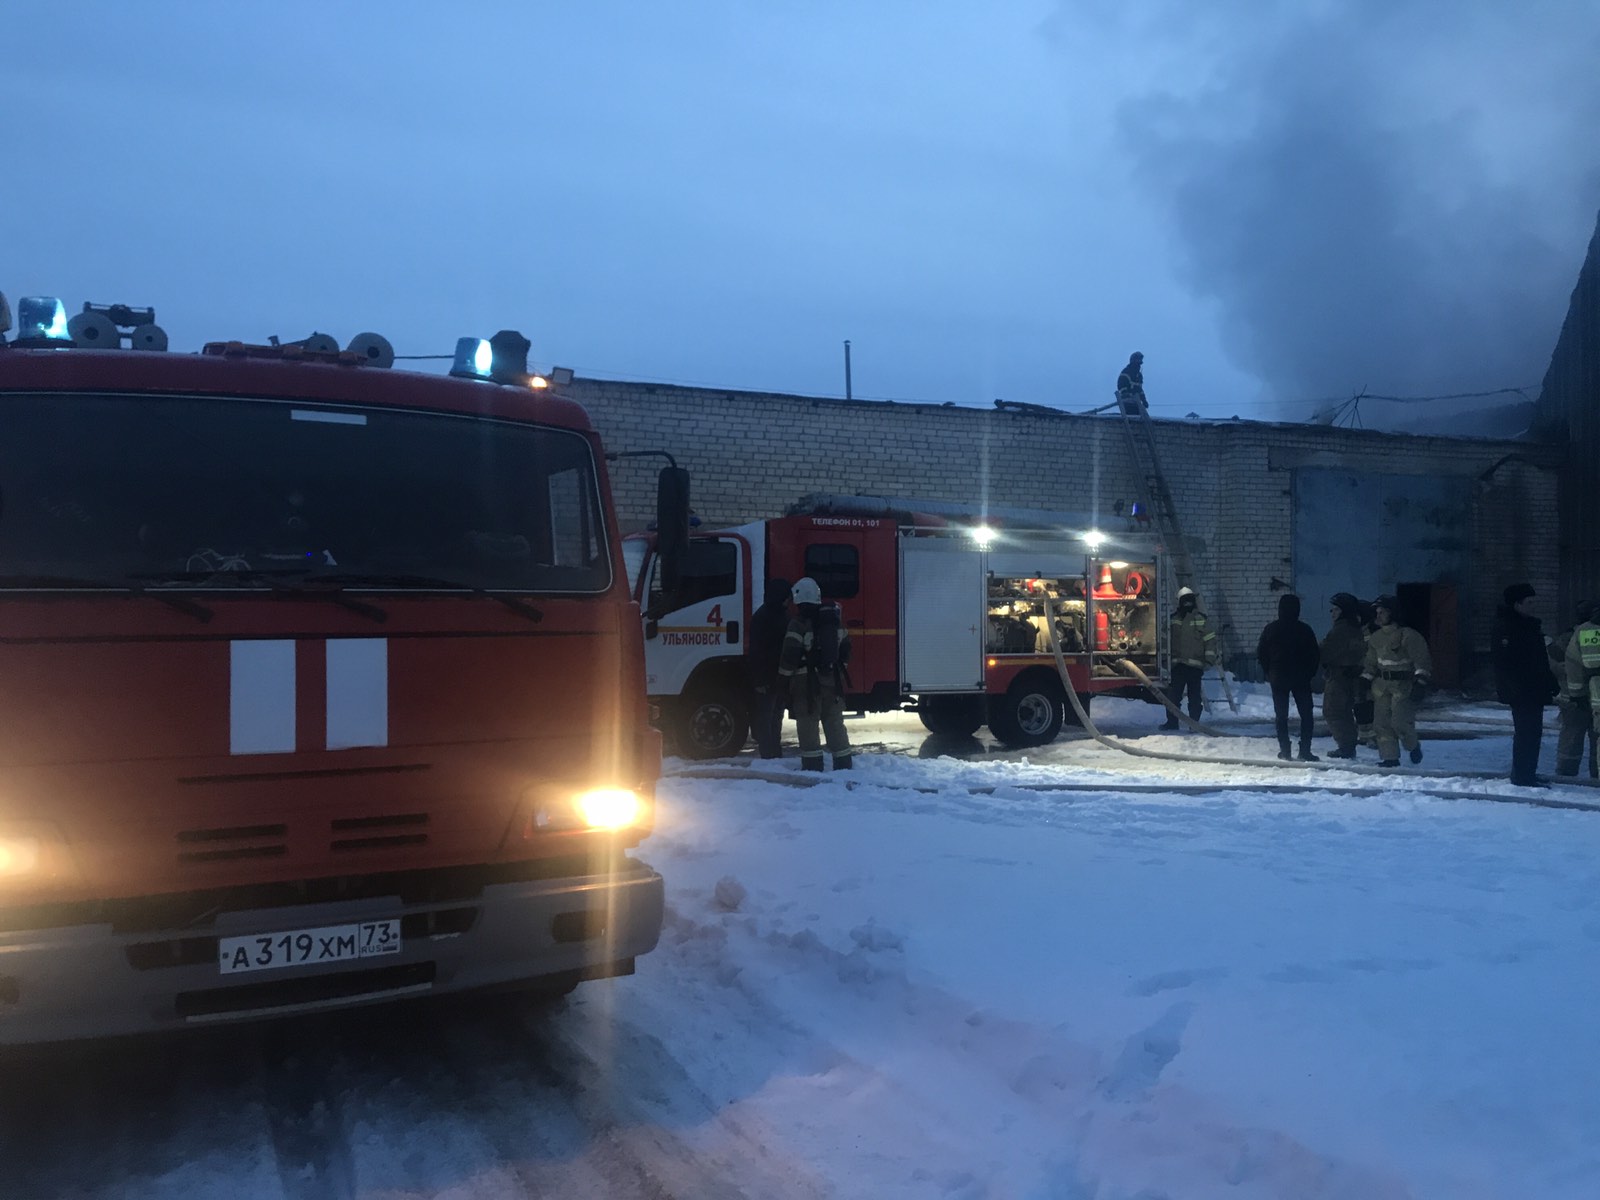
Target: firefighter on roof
<point>816,651</point>
<point>1130,387</point>
<point>1399,666</point>
<point>1194,648</point>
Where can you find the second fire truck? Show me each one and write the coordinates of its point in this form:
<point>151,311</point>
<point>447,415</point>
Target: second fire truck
<point>945,607</point>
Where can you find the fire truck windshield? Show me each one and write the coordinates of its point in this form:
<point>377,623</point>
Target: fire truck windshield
<point>209,493</point>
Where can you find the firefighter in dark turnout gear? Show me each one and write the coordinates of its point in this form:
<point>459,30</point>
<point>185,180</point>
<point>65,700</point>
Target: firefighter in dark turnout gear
<point>1369,626</point>
<point>1399,666</point>
<point>1576,727</point>
<point>1194,648</point>
<point>813,664</point>
<point>1288,654</point>
<point>1342,652</point>
<point>768,624</point>
<point>1130,387</point>
<point>1522,679</point>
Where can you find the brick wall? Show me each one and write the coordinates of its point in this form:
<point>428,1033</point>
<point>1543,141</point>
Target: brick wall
<point>752,454</point>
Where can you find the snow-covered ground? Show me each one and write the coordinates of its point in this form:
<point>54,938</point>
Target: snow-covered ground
<point>934,977</point>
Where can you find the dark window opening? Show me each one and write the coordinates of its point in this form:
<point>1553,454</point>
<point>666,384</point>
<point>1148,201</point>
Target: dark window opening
<point>836,568</point>
<point>710,571</point>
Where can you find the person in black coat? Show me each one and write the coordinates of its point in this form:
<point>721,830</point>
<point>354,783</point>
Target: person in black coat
<point>1130,387</point>
<point>1522,679</point>
<point>768,624</point>
<point>1289,654</point>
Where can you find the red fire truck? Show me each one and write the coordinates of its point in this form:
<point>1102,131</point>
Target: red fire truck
<point>945,607</point>
<point>320,686</point>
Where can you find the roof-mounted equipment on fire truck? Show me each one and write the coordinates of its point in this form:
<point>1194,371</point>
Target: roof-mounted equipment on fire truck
<point>500,359</point>
<point>364,350</point>
<point>104,326</point>
<point>41,323</point>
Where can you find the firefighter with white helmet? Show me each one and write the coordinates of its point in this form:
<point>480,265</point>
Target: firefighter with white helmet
<point>1399,667</point>
<point>1194,648</point>
<point>812,665</point>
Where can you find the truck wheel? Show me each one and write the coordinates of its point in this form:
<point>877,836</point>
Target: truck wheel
<point>1027,715</point>
<point>951,716</point>
<point>711,725</point>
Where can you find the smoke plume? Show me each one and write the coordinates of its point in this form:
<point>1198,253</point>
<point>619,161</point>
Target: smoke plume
<point>1391,194</point>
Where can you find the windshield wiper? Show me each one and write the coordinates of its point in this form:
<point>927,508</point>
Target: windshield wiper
<point>72,583</point>
<point>284,581</point>
<point>434,583</point>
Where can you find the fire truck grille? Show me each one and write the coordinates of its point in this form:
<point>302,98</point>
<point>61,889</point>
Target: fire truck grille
<point>232,843</point>
<point>379,833</point>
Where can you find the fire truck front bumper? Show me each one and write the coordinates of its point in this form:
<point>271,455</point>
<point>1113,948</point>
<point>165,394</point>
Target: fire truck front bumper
<point>90,981</point>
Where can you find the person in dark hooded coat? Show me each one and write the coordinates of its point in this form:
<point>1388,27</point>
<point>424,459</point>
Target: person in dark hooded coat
<point>1343,651</point>
<point>1289,655</point>
<point>1522,679</point>
<point>768,624</point>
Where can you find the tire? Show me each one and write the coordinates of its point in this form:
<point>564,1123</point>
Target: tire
<point>951,716</point>
<point>711,725</point>
<point>1027,715</point>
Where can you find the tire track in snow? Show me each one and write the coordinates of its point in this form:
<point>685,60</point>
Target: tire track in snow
<point>299,1065</point>
<point>133,1118</point>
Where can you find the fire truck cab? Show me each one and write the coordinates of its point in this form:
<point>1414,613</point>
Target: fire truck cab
<point>320,686</point>
<point>945,610</point>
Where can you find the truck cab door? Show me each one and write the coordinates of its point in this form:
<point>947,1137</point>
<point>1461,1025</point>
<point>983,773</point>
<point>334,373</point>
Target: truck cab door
<point>849,565</point>
<point>702,619</point>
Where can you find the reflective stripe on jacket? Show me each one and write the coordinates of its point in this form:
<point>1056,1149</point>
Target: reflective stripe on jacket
<point>1583,658</point>
<point>1193,642</point>
<point>1393,648</point>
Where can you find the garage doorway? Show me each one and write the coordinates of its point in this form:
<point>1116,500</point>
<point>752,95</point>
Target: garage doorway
<point>1430,609</point>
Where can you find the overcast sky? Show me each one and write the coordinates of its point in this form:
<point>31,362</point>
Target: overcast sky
<point>1275,202</point>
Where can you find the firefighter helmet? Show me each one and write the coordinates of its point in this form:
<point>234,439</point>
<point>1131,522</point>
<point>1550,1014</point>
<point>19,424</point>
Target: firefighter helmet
<point>1388,603</point>
<point>806,591</point>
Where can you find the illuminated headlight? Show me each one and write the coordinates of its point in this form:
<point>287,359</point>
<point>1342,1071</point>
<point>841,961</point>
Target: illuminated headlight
<point>18,856</point>
<point>596,809</point>
<point>609,808</point>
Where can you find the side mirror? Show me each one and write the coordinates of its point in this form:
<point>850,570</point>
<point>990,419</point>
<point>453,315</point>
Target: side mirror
<point>652,629</point>
<point>672,525</point>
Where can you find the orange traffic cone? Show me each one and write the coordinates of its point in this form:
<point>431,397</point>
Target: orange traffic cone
<point>1105,590</point>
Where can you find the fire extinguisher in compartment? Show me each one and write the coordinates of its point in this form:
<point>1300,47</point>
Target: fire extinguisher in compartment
<point>1102,629</point>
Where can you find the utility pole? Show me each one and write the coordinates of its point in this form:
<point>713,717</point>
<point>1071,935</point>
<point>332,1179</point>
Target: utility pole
<point>847,368</point>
